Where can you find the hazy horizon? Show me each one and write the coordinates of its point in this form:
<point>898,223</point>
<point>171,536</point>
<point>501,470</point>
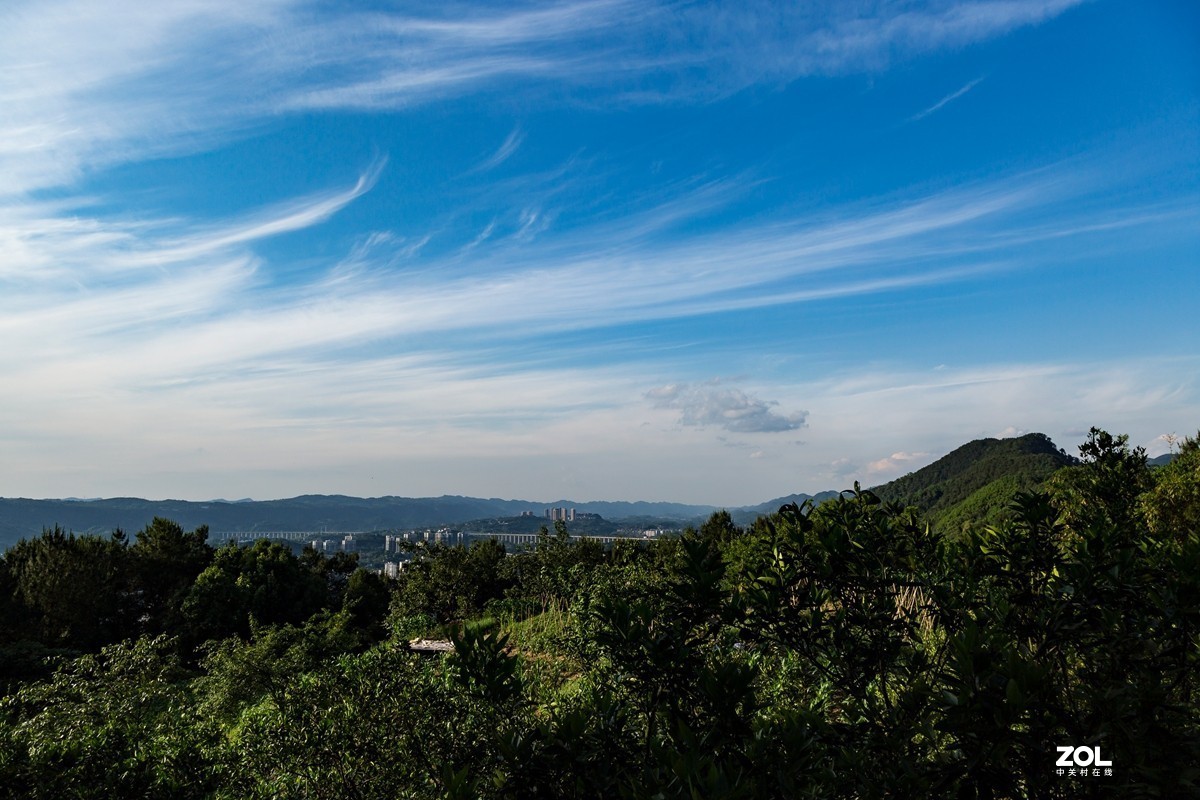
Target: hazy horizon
<point>642,251</point>
<point>542,502</point>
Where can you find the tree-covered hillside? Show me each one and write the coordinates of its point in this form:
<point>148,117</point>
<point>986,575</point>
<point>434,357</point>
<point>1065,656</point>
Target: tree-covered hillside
<point>841,650</point>
<point>977,482</point>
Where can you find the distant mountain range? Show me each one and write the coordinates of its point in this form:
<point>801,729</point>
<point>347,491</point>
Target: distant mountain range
<point>974,482</point>
<point>1161,461</point>
<point>22,518</point>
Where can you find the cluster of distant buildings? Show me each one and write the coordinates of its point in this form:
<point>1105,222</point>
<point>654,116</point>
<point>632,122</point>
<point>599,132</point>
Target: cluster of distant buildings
<point>346,544</point>
<point>394,544</point>
<point>565,514</point>
<point>391,544</point>
<point>397,548</point>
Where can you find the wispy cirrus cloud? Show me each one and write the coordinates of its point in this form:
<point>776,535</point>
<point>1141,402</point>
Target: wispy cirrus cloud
<point>872,36</point>
<point>638,51</point>
<point>950,98</point>
<point>510,145</point>
<point>122,276</point>
<point>47,243</point>
<point>87,84</point>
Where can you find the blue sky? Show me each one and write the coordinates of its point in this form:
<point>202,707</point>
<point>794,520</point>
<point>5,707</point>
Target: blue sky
<point>698,252</point>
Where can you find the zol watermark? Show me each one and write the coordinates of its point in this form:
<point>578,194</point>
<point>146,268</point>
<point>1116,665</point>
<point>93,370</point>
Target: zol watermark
<point>1082,762</point>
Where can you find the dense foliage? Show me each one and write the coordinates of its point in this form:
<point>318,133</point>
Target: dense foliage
<point>843,650</point>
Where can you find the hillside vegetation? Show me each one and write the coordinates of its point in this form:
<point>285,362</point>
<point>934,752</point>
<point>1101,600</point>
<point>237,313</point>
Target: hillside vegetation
<point>976,483</point>
<point>841,650</point>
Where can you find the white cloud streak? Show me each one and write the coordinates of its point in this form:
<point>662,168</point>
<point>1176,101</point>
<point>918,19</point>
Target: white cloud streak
<point>510,145</point>
<point>957,93</point>
<point>871,37</point>
<point>105,285</point>
<point>88,84</point>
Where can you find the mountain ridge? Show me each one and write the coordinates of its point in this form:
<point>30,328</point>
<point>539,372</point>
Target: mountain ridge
<point>977,480</point>
<point>26,517</point>
<point>981,474</point>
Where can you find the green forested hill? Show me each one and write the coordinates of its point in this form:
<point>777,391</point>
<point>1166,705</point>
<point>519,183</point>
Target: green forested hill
<point>839,651</point>
<point>977,481</point>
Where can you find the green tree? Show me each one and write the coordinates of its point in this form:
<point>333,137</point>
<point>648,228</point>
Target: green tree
<point>1104,490</point>
<point>264,583</point>
<point>451,583</point>
<point>73,589</point>
<point>120,723</point>
<point>1172,506</point>
<point>335,570</point>
<point>365,604</point>
<point>375,725</point>
<point>164,563</point>
<point>557,571</point>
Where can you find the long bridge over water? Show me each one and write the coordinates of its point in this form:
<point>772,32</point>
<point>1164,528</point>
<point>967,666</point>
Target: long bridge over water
<point>244,537</point>
<point>456,537</point>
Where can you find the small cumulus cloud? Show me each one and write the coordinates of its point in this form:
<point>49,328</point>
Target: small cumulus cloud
<point>1011,432</point>
<point>894,463</point>
<point>736,411</point>
<point>1164,443</point>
